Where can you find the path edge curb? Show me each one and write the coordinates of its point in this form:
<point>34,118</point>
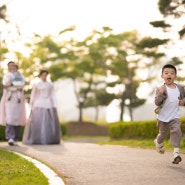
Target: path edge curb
<point>53,178</point>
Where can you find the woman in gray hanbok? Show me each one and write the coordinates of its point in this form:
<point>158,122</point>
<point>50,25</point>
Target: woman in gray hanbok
<point>43,126</point>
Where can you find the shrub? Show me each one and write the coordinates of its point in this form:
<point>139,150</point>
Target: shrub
<point>2,132</point>
<point>63,129</point>
<point>137,129</point>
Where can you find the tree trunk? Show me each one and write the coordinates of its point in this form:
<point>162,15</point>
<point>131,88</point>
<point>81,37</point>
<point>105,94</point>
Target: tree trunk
<point>130,112</point>
<point>80,102</point>
<point>96,113</point>
<point>122,111</point>
<point>80,112</point>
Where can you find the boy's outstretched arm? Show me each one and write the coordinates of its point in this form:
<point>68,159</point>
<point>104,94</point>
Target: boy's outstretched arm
<point>160,95</point>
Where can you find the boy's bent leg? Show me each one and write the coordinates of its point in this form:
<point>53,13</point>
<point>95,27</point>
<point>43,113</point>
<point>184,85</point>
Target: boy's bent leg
<point>163,131</point>
<point>175,138</point>
<point>175,133</point>
<point>159,147</point>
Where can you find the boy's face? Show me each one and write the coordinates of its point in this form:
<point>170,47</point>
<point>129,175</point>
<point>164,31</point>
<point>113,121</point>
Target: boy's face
<point>169,76</point>
<point>14,68</point>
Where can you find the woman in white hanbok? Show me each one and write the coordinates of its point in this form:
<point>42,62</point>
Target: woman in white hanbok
<point>43,126</point>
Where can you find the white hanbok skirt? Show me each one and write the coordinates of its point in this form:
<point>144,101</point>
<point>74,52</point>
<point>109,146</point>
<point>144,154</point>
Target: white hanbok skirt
<point>43,127</point>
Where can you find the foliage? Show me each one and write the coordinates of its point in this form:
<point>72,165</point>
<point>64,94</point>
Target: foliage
<point>159,24</point>
<point>172,23</point>
<point>3,10</point>
<point>2,132</point>
<point>137,129</point>
<point>16,170</point>
<point>91,62</point>
<point>10,32</point>
<point>133,55</point>
<point>133,130</point>
<point>149,42</point>
<point>3,45</point>
<point>171,8</point>
<point>101,56</point>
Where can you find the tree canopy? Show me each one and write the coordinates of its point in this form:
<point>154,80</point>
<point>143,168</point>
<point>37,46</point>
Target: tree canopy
<point>104,66</point>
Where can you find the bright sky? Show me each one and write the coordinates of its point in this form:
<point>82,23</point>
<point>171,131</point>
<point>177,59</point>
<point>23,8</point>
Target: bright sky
<point>52,16</point>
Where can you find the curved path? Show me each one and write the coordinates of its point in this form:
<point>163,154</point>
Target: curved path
<point>92,164</point>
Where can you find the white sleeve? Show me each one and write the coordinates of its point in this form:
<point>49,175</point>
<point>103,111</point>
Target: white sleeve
<point>6,79</point>
<point>53,95</point>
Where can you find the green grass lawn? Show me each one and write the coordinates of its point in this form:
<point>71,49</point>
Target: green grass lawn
<point>136,143</point>
<point>15,170</point>
<point>141,143</point>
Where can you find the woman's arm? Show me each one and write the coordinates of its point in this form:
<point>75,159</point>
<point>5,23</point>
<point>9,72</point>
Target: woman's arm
<point>53,97</point>
<point>33,96</point>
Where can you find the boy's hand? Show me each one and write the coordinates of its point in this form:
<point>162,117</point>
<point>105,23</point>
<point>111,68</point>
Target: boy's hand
<point>181,102</point>
<point>161,89</point>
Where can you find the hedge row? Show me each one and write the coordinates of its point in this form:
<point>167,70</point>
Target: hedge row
<point>136,129</point>
<point>2,132</point>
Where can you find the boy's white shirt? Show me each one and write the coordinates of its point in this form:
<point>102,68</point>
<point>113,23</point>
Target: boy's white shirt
<point>170,109</point>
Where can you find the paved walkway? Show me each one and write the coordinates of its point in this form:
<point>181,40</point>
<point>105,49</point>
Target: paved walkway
<point>92,164</point>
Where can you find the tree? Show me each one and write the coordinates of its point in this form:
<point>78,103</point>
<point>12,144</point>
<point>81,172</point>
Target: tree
<point>85,69</point>
<point>98,97</point>
<point>9,34</point>
<point>3,22</point>
<point>99,56</point>
<point>131,55</point>
<point>173,28</point>
<point>44,51</point>
<point>3,45</point>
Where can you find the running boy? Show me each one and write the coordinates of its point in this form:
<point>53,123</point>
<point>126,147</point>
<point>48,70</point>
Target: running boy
<point>168,97</point>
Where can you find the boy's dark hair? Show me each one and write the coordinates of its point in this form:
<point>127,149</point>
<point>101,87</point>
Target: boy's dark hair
<point>169,66</point>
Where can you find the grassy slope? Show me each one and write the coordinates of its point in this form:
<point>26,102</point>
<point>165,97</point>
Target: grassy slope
<point>16,170</point>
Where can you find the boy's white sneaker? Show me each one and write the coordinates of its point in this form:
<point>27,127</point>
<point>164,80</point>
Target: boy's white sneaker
<point>177,158</point>
<point>159,147</point>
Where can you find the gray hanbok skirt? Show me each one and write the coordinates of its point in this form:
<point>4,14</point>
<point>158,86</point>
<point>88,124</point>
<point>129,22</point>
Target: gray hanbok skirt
<point>43,127</point>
